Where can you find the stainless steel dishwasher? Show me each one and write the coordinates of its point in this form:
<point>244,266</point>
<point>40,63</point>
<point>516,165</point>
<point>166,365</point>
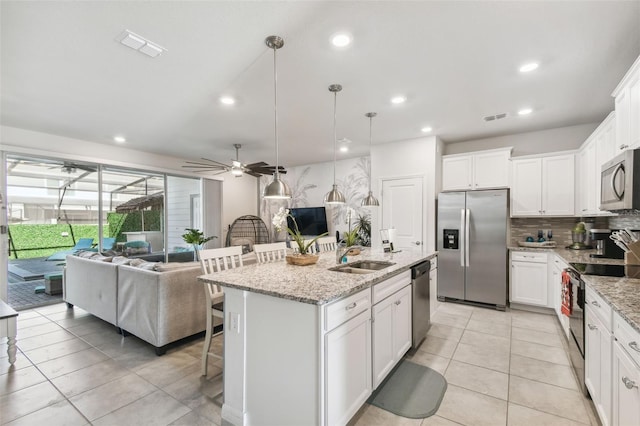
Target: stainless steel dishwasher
<point>420,311</point>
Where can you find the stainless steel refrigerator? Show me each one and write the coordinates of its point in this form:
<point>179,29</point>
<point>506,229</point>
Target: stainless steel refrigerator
<point>472,246</point>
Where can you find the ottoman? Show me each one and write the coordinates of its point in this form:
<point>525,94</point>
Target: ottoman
<point>53,283</point>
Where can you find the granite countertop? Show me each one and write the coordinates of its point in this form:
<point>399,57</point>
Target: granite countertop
<point>315,284</point>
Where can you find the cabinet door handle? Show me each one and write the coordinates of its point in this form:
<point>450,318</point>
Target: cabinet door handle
<point>633,345</point>
<point>592,327</point>
<point>596,304</point>
<point>351,306</point>
<point>623,147</point>
<point>397,302</point>
<point>630,384</point>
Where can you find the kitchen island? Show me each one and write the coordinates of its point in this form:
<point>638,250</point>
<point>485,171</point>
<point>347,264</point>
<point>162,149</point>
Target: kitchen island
<point>297,341</point>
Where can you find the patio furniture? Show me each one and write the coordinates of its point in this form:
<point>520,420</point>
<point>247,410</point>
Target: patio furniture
<point>53,283</point>
<point>82,244</point>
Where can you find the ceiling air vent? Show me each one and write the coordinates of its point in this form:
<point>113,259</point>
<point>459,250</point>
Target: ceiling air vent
<point>495,117</point>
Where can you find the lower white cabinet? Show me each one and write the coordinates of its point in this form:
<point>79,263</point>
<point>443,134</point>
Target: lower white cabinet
<point>348,363</point>
<point>597,358</point>
<point>626,373</point>
<point>529,278</point>
<point>391,332</point>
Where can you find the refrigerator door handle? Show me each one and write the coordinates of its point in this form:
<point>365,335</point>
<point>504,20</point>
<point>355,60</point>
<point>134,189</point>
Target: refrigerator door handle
<point>466,237</point>
<point>462,240</point>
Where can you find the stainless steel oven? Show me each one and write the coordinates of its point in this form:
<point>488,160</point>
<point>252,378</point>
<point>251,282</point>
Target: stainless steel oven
<point>576,327</point>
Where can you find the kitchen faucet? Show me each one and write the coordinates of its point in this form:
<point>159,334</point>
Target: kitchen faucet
<point>341,252</point>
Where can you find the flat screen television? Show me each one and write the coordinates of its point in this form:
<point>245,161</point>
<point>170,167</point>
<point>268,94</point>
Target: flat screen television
<point>310,220</point>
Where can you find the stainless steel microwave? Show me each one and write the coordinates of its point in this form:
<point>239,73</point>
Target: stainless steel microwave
<point>620,182</point>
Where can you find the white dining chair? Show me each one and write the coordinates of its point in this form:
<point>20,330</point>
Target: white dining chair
<point>327,244</point>
<point>270,252</point>
<point>212,261</point>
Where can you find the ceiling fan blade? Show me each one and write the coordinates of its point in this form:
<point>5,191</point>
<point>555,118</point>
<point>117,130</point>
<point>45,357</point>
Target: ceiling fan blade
<point>254,174</point>
<point>260,164</point>
<point>215,162</point>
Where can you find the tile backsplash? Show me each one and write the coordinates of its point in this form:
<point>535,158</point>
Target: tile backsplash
<point>561,227</point>
<point>619,222</point>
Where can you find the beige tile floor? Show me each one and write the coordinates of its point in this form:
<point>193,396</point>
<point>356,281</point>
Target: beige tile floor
<point>503,368</point>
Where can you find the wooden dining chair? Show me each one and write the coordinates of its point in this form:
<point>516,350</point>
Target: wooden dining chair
<point>270,252</point>
<point>327,244</point>
<point>212,261</point>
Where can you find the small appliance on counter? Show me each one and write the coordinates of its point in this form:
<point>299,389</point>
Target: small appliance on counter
<point>578,236</point>
<point>604,245</point>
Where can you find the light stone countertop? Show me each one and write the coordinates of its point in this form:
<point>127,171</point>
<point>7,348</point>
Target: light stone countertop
<point>315,284</point>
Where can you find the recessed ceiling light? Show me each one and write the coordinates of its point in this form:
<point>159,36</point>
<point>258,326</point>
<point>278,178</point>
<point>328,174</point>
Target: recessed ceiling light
<point>525,111</point>
<point>426,129</point>
<point>398,100</point>
<point>227,100</point>
<point>344,149</point>
<point>119,139</point>
<point>529,67</point>
<point>341,40</point>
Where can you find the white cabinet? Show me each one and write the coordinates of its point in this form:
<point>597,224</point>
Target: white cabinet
<point>348,368</point>
<point>626,374</point>
<point>598,353</point>
<point>543,186</point>
<point>391,319</point>
<point>627,104</point>
<point>529,278</point>
<point>477,170</point>
<point>596,150</point>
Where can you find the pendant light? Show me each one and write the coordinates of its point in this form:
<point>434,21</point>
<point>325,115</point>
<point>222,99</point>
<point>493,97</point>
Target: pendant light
<point>334,196</point>
<point>277,189</point>
<point>370,200</point>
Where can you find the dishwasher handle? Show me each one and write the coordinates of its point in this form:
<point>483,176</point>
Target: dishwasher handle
<point>420,269</point>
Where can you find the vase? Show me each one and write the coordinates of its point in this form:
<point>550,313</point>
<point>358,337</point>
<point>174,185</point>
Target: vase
<point>302,259</point>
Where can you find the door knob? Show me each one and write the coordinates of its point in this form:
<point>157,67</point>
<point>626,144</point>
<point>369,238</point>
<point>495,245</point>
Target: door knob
<point>418,243</point>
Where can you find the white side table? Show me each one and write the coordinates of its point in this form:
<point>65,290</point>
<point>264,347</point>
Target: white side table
<point>8,329</point>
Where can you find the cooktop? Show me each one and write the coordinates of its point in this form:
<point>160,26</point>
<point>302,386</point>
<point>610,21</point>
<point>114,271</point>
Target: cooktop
<point>598,269</point>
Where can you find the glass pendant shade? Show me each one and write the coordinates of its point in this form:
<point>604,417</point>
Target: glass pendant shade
<point>370,200</point>
<point>334,196</point>
<point>277,189</point>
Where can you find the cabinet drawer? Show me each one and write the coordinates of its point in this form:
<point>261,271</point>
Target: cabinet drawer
<point>389,286</point>
<point>627,337</point>
<point>600,308</point>
<point>343,310</point>
<point>529,256</point>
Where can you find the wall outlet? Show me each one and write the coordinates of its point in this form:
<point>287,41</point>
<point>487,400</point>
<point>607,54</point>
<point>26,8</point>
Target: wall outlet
<point>234,321</point>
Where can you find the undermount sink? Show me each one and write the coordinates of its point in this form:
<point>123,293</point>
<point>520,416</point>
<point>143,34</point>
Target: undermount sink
<point>374,265</point>
<point>362,267</point>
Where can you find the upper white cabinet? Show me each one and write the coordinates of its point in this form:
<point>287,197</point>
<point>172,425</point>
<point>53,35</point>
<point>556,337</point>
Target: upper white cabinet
<point>627,101</point>
<point>543,186</point>
<point>476,170</point>
<point>596,150</point>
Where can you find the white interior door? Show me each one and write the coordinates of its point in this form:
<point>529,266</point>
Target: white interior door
<point>402,209</point>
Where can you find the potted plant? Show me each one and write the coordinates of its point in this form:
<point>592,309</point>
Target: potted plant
<point>196,238</point>
<point>350,239</point>
<point>303,257</point>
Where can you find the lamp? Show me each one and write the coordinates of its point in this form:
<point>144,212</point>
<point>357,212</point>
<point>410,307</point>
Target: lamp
<point>370,200</point>
<point>277,189</point>
<point>334,196</point>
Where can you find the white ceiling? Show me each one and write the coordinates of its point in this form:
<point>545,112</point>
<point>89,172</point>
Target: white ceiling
<point>63,72</point>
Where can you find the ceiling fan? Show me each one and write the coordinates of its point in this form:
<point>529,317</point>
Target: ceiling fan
<point>236,168</point>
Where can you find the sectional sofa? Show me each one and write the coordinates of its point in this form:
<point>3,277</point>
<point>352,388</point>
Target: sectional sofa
<point>157,302</point>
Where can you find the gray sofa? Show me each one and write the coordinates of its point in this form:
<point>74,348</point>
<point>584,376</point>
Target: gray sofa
<point>158,306</point>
